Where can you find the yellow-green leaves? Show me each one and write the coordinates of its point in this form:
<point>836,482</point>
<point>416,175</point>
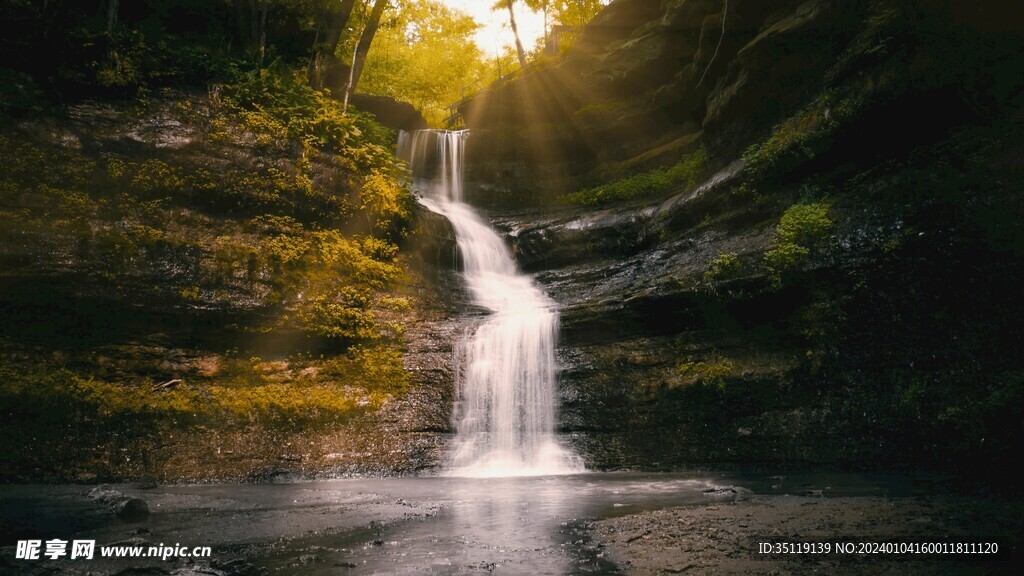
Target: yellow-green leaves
<point>802,228</point>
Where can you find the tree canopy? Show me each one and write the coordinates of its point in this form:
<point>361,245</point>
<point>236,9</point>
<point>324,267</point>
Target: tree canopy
<point>424,54</point>
<point>573,13</point>
<point>419,51</point>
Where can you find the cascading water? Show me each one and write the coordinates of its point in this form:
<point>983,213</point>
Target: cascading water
<point>505,412</point>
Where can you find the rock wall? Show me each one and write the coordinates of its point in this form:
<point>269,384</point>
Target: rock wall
<point>649,81</point>
<point>88,293</point>
<point>688,338</point>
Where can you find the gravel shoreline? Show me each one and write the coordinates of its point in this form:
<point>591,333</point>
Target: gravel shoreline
<point>723,538</point>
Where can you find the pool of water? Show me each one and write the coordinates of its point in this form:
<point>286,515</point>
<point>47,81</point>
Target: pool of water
<point>425,525</point>
<point>502,525</point>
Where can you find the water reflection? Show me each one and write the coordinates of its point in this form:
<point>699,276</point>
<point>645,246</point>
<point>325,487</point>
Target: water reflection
<point>520,526</point>
<point>531,525</point>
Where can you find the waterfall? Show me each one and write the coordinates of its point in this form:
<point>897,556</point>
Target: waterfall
<point>505,411</point>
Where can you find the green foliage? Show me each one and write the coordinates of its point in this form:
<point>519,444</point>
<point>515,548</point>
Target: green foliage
<point>46,396</point>
<point>359,380</point>
<point>686,173</point>
<point>350,309</point>
<point>802,229</point>
<point>19,93</point>
<point>298,219</point>
<point>123,216</point>
<point>344,314</point>
<point>799,138</point>
<point>276,103</point>
<point>573,14</point>
<point>374,368</point>
<point>368,261</point>
<point>822,324</point>
<point>804,224</point>
<point>723,266</point>
<point>154,177</point>
<point>119,69</point>
<point>285,249</point>
<point>386,203</point>
<point>424,55</point>
<point>334,286</point>
<point>190,293</point>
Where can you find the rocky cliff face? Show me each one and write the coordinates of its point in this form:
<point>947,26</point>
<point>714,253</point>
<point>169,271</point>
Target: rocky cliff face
<point>778,255</point>
<point>649,81</point>
<point>142,281</point>
<point>837,286</point>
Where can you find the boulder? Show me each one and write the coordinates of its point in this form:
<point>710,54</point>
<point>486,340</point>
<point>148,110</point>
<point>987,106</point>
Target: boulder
<point>125,507</point>
<point>390,112</point>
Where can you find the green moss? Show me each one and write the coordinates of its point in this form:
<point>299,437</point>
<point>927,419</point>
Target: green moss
<point>596,108</point>
<point>802,229</point>
<point>805,224</point>
<point>711,372</point>
<point>240,394</point>
<point>799,138</point>
<point>375,369</point>
<point>686,173</point>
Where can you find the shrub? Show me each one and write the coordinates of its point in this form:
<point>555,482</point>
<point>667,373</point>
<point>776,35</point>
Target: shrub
<point>801,230</point>
<point>276,102</point>
<point>805,224</point>
<point>372,368</point>
<point>722,266</point>
<point>344,315</point>
<point>386,204</point>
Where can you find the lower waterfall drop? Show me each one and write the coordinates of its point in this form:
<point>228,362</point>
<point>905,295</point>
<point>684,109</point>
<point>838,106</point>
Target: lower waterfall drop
<point>505,411</point>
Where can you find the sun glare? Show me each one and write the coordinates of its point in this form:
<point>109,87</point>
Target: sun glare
<point>495,34</point>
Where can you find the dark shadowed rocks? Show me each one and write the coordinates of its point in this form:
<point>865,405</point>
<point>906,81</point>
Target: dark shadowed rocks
<point>129,509</point>
<point>390,112</point>
<point>683,341</point>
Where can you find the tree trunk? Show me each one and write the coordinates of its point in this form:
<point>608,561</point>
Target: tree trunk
<point>515,32</point>
<point>242,32</point>
<point>254,28</point>
<point>547,25</point>
<point>332,24</point>
<point>263,31</point>
<point>112,6</point>
<point>335,26</point>
<point>365,40</point>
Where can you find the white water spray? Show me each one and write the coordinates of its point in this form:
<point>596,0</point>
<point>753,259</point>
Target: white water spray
<point>505,412</point>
